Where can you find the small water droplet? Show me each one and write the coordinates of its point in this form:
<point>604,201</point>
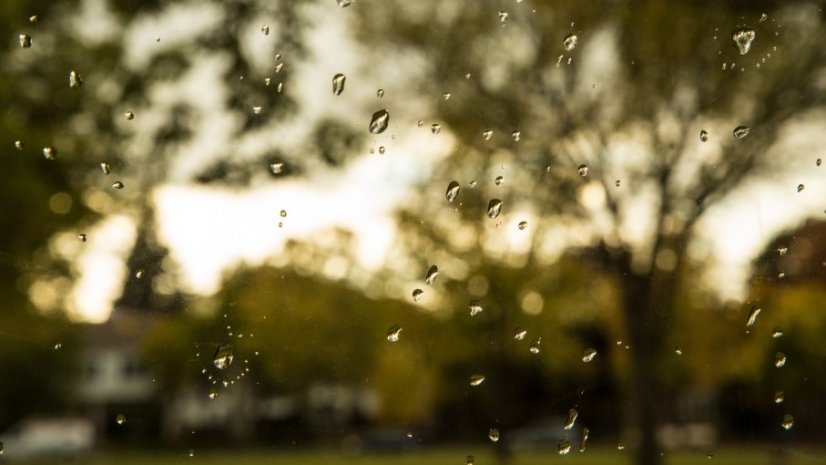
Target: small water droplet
<point>19,144</point>
<point>223,356</point>
<point>564,447</point>
<point>25,40</point>
<point>475,307</point>
<point>344,3</point>
<point>117,185</point>
<point>589,355</point>
<point>753,314</point>
<point>446,96</point>
<point>818,162</point>
<point>267,81</point>
<point>139,274</point>
<point>472,184</point>
<point>620,446</point>
<point>763,18</point>
<point>469,460</point>
<point>265,29</point>
<point>493,435</point>
<point>213,393</point>
<point>569,42</point>
<point>743,38</point>
<point>417,295</point>
<point>487,134</point>
<point>432,274</point>
<point>120,419</point>
<point>800,187</point>
<point>520,334</point>
<point>779,360</point>
<point>788,422</point>
<point>779,397</point>
<point>782,251</point>
<point>777,333</point>
<point>516,135</point>
<point>379,121</point>
<point>582,170</point>
<point>256,110</point>
<point>75,79</point>
<point>703,135</point>
<point>452,191</point>
<point>678,351</point>
<point>277,168</point>
<point>572,416</point>
<point>585,434</point>
<point>494,208</point>
<point>380,93</point>
<point>58,346</point>
<point>279,87</point>
<point>82,237</point>
<point>499,180</point>
<point>50,153</point>
<point>617,183</point>
<point>503,16</point>
<point>393,333</point>
<point>435,128</point>
<point>129,115</point>
<point>381,150</point>
<point>33,19</point>
<point>477,379</point>
<point>741,131</point>
<point>534,348</point>
<point>522,225</point>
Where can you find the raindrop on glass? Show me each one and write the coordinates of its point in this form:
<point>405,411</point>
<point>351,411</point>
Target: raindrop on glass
<point>277,168</point>
<point>564,447</point>
<point>139,274</point>
<point>475,307</point>
<point>743,37</point>
<point>516,135</point>
<point>487,134</point>
<point>534,349</point>
<point>472,184</point>
<point>382,150</point>
<point>25,40</point>
<point>117,185</point>
<point>617,183</point>
<point>779,360</point>
<point>582,442</point>
<point>572,416</point>
<point>763,18</point>
<point>435,128</point>
<point>494,207</point>
<point>417,295</point>
<point>493,435</point>
<point>432,273</point>
<point>213,393</point>
<point>522,225</point>
<point>777,333</point>
<point>570,42</point>
<point>503,16</point>
<point>344,3</point>
<point>499,180</point>
<point>82,237</point>
<point>819,162</point>
<point>446,96</point>
<point>800,187</point>
<point>520,334</point>
<point>788,422</point>
<point>120,419</point>
<point>256,110</point>
<point>50,153</point>
<point>582,170</point>
<point>223,357</point>
<point>380,93</point>
<point>469,460</point>
<point>741,131</point>
<point>393,333</point>
<point>33,19</point>
<point>379,121</point>
<point>265,29</point>
<point>476,379</point>
<point>589,355</point>
<point>75,79</point>
<point>129,115</point>
<point>452,191</point>
<point>753,314</point>
<point>703,135</point>
<point>19,144</point>
<point>58,346</point>
<point>779,397</point>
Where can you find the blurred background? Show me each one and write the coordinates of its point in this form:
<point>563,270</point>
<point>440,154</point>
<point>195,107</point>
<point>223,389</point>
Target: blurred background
<point>491,231</point>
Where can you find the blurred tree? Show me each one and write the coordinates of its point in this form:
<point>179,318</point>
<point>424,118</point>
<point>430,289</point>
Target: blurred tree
<point>595,112</point>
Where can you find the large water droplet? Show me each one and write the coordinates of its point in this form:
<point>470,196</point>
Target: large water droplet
<point>452,191</point>
<point>741,131</point>
<point>564,447</point>
<point>572,416</point>
<point>393,333</point>
<point>494,208</point>
<point>743,38</point>
<point>379,121</point>
<point>223,357</point>
<point>788,422</point>
<point>75,79</point>
<point>582,170</point>
<point>50,153</point>
<point>475,307</point>
<point>477,379</point>
<point>25,40</point>
<point>780,360</point>
<point>493,435</point>
<point>338,83</point>
<point>569,42</point>
<point>703,135</point>
<point>417,295</point>
<point>753,314</point>
<point>589,355</point>
<point>432,274</point>
<point>487,135</point>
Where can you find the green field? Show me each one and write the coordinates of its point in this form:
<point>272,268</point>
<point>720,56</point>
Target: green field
<point>453,456</point>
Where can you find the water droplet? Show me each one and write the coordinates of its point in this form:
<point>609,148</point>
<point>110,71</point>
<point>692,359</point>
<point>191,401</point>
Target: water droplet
<point>678,351</point>
<point>522,225</point>
<point>446,96</point>
<point>743,37</point>
<point>117,185</point>
<point>516,135</point>
<point>267,81</point>
<point>279,87</point>
<point>104,168</point>
<point>432,274</point>
<point>435,128</point>
<point>703,135</point>
<point>520,334</point>
<point>617,183</point>
<point>741,131</point>
<point>753,313</point>
<point>570,42</point>
<point>800,187</point>
<point>417,295</point>
<point>277,168</point>
<point>469,460</point>
<point>58,346</point>
<point>819,162</point>
<point>620,446</point>
<point>582,170</point>
<point>139,274</point>
<point>25,40</point>
<point>777,333</point>
<point>589,355</point>
<point>129,115</point>
<point>33,19</point>
<point>779,397</point>
<point>50,153</point>
<point>213,393</point>
<point>265,29</point>
<point>534,348</point>
<point>780,360</point>
<point>503,16</point>
<point>487,134</point>
<point>585,434</point>
<point>75,79</point>
<point>256,110</point>
<point>477,379</point>
<point>763,18</point>
<point>452,191</point>
<point>475,307</point>
<point>192,451</point>
<point>493,435</point>
<point>782,251</point>
<point>393,333</point>
<point>564,447</point>
<point>82,237</point>
<point>223,357</point>
<point>499,180</point>
<point>494,207</point>
<point>120,419</point>
<point>788,422</point>
<point>344,3</point>
<point>380,93</point>
<point>379,121</point>
<point>572,416</point>
<point>381,150</point>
